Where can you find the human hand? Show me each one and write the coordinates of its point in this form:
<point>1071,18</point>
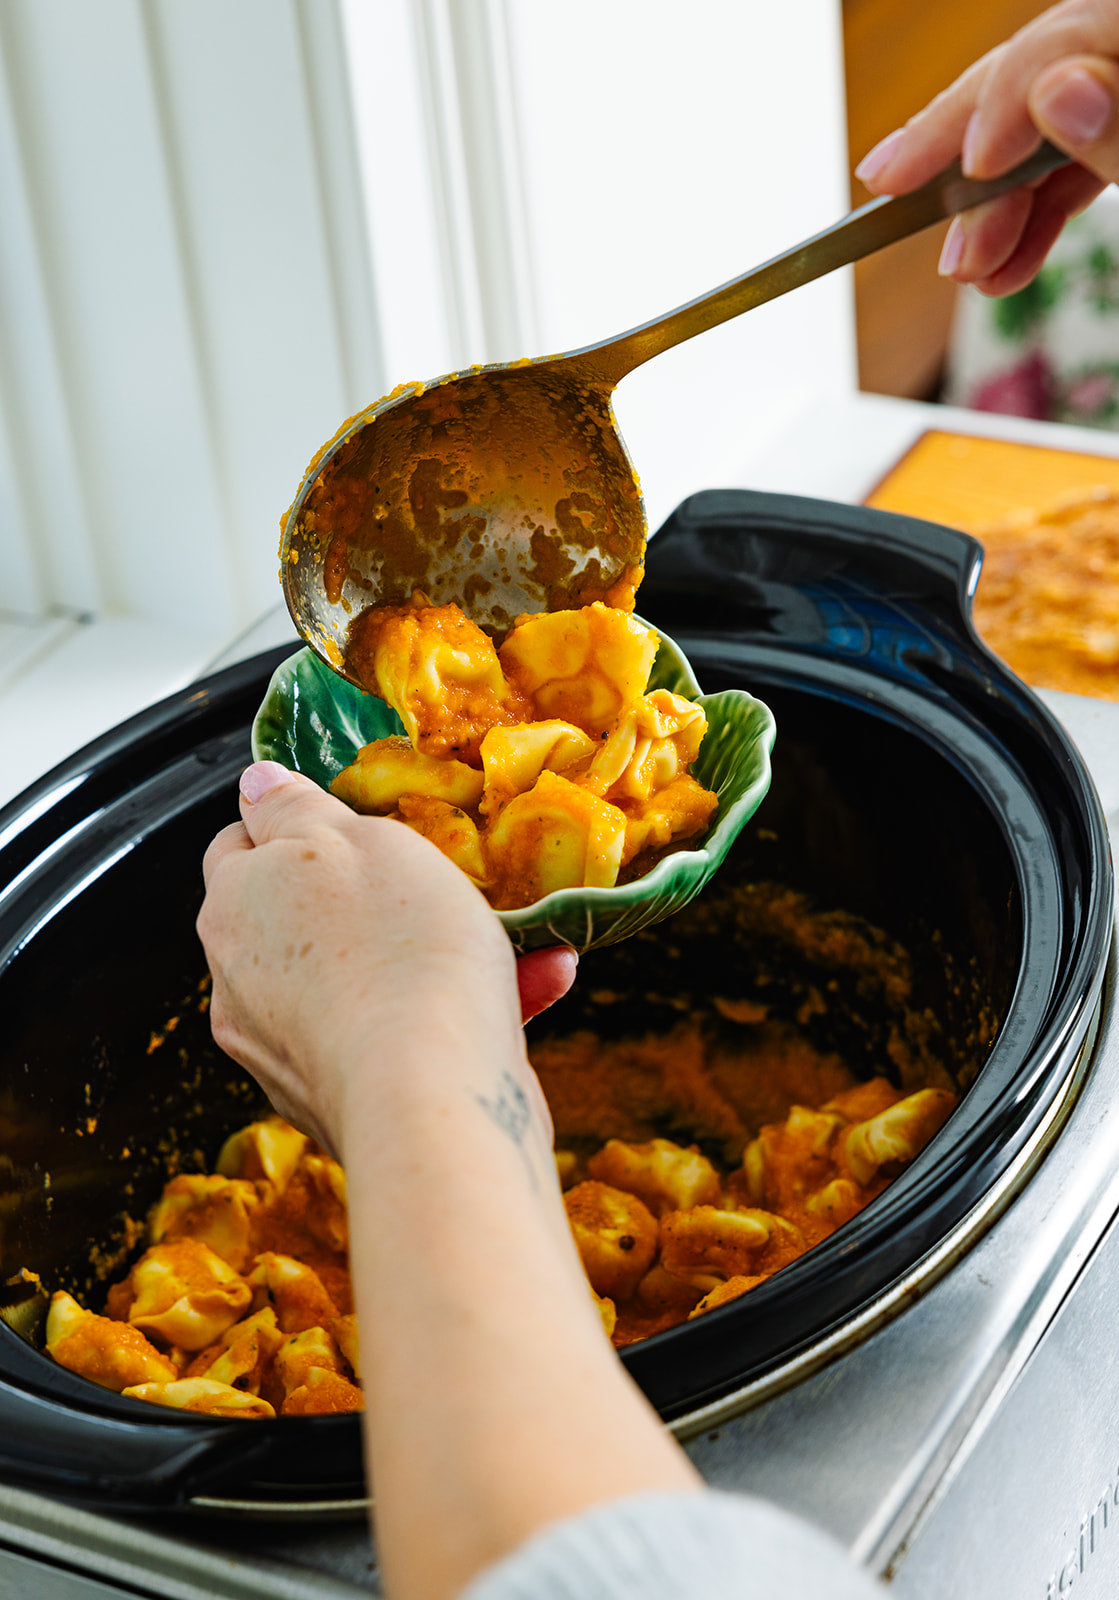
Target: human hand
<point>325,931</point>
<point>1058,78</point>
<point>367,985</point>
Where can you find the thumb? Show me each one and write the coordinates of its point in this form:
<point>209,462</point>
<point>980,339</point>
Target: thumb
<point>543,977</point>
<point>276,802</point>
<point>1075,104</point>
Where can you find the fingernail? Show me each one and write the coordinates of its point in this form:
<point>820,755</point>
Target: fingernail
<point>970,140</point>
<point>262,776</point>
<point>952,252</point>
<point>1077,107</point>
<point>878,159</point>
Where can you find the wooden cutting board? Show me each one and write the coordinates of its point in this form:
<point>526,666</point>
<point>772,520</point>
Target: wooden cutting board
<point>1048,593</point>
<point>968,482</point>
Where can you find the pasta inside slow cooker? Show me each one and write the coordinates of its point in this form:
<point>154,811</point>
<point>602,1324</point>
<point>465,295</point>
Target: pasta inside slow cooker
<point>241,1304</point>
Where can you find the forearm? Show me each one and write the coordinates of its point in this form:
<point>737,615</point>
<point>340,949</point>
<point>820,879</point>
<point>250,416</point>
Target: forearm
<point>495,1403</point>
<point>390,1026</point>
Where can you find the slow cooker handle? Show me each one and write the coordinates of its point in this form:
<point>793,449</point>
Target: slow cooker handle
<point>90,1457</point>
<point>759,562</point>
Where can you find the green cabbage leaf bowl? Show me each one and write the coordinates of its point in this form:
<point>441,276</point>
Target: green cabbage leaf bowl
<point>313,721</point>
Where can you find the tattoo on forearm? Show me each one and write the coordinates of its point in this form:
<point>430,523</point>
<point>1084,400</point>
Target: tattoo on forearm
<point>508,1110</point>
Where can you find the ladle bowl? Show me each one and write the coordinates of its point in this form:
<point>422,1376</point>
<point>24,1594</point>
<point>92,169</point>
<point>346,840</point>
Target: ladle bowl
<point>508,488</point>
<point>505,489</point>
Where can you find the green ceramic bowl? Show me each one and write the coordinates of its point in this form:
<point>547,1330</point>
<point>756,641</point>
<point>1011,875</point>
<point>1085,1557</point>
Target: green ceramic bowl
<point>314,722</point>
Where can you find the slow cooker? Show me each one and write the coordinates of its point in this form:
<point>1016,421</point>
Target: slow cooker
<point>918,786</point>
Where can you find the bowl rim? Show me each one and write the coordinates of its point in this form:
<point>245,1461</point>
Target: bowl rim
<point>604,913</point>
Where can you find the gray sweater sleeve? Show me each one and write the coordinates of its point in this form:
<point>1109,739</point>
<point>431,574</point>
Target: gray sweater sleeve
<point>704,1544</point>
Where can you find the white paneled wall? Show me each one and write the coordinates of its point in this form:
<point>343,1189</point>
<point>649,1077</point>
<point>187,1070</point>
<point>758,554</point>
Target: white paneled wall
<point>440,148</point>
<point>185,300</point>
<point>186,312</point>
<point>46,552</point>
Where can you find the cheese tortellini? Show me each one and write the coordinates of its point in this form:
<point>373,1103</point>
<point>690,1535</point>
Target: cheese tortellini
<point>538,766</point>
<point>241,1305</point>
<point>666,1235</point>
<point>101,1349</point>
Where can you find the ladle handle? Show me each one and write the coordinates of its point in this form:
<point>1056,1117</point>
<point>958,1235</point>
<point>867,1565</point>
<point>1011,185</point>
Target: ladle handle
<point>861,233</point>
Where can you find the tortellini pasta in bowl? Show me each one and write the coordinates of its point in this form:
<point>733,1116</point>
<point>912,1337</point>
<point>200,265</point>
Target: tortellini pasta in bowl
<point>576,773</point>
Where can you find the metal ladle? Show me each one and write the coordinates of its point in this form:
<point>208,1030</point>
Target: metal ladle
<point>508,488</point>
